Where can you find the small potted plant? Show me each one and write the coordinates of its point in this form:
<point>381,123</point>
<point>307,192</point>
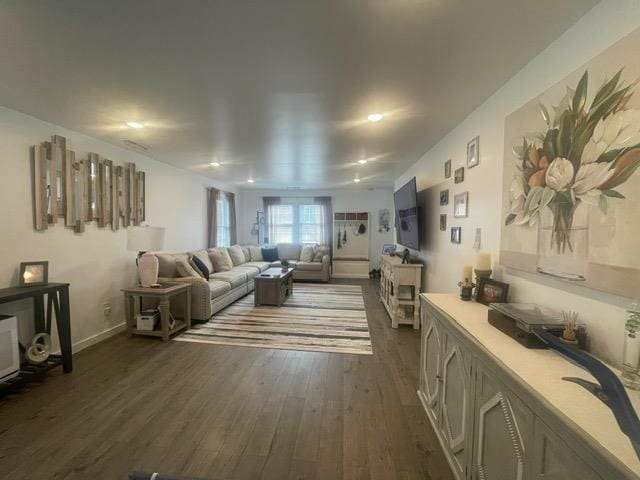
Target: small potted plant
<point>285,265</point>
<point>570,320</point>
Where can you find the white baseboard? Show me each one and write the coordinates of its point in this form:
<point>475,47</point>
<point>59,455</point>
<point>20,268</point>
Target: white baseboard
<point>98,337</point>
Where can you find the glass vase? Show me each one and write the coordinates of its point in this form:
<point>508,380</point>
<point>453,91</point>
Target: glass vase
<point>631,352</point>
<point>563,241</point>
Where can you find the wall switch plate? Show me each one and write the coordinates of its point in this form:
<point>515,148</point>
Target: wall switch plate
<point>106,309</point>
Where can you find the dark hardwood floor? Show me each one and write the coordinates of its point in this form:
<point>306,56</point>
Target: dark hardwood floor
<point>223,412</point>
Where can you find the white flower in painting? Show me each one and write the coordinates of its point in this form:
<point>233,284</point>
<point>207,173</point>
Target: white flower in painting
<point>590,176</point>
<point>559,174</point>
<point>618,130</point>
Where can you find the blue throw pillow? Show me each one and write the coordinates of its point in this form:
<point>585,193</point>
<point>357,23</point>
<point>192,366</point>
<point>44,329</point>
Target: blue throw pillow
<point>201,266</point>
<point>270,254</point>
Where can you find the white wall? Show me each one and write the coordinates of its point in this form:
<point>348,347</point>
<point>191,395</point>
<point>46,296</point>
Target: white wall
<point>606,23</point>
<point>357,198</point>
<point>96,262</point>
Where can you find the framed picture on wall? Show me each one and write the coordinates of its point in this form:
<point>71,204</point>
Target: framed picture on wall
<point>461,205</point>
<point>456,234</point>
<point>444,197</point>
<point>443,222</point>
<point>447,169</point>
<point>473,152</point>
<point>459,175</point>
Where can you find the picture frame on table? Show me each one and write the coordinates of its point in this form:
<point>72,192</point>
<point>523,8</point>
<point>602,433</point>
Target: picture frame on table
<point>461,205</point>
<point>456,235</point>
<point>34,273</point>
<point>388,249</point>
<point>473,152</point>
<point>491,291</point>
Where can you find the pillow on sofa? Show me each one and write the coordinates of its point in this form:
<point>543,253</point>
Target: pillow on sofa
<point>270,254</point>
<point>246,252</point>
<point>236,254</point>
<point>255,253</point>
<point>201,267</point>
<point>221,260</point>
<point>307,253</point>
<point>166,265</point>
<point>320,251</point>
<point>203,256</point>
<point>185,269</point>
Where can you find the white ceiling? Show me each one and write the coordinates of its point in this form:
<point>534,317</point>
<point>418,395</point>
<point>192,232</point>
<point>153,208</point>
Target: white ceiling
<point>274,90</point>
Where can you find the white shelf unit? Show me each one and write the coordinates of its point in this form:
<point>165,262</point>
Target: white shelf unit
<point>399,290</point>
<point>351,260</point>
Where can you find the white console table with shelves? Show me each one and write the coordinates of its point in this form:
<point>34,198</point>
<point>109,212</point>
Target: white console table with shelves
<point>399,290</point>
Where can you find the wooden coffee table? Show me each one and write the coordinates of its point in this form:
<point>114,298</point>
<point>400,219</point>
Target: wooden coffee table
<point>273,286</point>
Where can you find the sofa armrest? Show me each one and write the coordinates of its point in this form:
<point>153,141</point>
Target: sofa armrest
<point>200,296</point>
<point>326,268</point>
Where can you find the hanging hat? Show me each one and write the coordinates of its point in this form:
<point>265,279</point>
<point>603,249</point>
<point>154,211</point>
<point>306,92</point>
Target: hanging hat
<point>362,229</point>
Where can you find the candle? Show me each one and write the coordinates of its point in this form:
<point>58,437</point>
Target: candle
<point>483,261</point>
<point>466,273</point>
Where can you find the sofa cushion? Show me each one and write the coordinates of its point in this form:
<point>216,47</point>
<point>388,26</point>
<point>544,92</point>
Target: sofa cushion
<point>306,254</point>
<point>185,269</point>
<point>270,254</point>
<point>237,255</point>
<point>167,265</point>
<point>218,288</point>
<point>319,252</point>
<point>289,251</point>
<point>246,252</point>
<point>235,278</point>
<point>250,271</point>
<point>309,266</point>
<point>256,253</point>
<point>262,266</point>
<point>221,260</point>
<point>203,256</point>
<point>201,267</point>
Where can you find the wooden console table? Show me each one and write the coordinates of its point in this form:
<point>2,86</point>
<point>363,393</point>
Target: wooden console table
<point>399,289</point>
<point>163,294</point>
<point>273,287</point>
<point>57,304</point>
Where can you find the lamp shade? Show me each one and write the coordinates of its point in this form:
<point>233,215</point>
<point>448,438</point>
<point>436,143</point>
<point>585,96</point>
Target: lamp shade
<point>145,239</point>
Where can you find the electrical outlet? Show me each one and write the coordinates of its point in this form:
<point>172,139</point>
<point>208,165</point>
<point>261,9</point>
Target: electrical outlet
<point>106,309</point>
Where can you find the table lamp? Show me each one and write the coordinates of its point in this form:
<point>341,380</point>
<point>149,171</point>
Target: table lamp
<point>142,240</point>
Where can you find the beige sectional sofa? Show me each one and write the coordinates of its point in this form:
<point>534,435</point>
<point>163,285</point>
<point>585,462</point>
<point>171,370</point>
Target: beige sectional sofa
<point>222,288</point>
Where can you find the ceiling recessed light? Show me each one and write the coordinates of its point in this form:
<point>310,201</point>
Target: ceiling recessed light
<point>134,125</point>
<point>375,117</point>
<point>356,180</point>
<point>250,180</point>
<point>214,164</point>
<point>362,162</point>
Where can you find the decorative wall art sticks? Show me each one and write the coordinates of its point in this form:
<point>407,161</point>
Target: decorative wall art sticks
<point>81,191</point>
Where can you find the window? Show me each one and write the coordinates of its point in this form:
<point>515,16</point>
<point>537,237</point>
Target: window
<point>223,230</point>
<point>296,221</point>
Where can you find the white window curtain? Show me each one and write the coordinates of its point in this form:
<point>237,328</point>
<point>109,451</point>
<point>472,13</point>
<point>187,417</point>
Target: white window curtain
<point>223,230</point>
<point>296,220</point>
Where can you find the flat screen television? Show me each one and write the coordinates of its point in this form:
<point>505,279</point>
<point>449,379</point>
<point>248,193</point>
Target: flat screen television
<point>407,221</point>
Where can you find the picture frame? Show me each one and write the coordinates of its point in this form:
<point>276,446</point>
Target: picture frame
<point>491,291</point>
<point>34,273</point>
<point>447,169</point>
<point>444,197</point>
<point>388,249</point>
<point>473,152</point>
<point>443,222</point>
<point>456,235</point>
<point>461,205</point>
<point>459,175</point>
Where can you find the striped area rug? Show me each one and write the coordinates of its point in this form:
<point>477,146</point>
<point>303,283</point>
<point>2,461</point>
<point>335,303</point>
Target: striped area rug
<point>319,318</point>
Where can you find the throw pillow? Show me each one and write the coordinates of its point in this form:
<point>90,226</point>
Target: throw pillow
<point>307,253</point>
<point>319,252</point>
<point>237,257</point>
<point>256,253</point>
<point>247,253</point>
<point>204,271</point>
<point>185,269</point>
<point>270,254</point>
<point>203,255</point>
<point>221,260</point>
<point>166,265</point>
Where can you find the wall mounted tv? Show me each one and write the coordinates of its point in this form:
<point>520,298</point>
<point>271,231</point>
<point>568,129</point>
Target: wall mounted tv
<point>407,220</point>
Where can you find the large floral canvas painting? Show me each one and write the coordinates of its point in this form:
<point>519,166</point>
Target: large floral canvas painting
<point>571,191</point>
